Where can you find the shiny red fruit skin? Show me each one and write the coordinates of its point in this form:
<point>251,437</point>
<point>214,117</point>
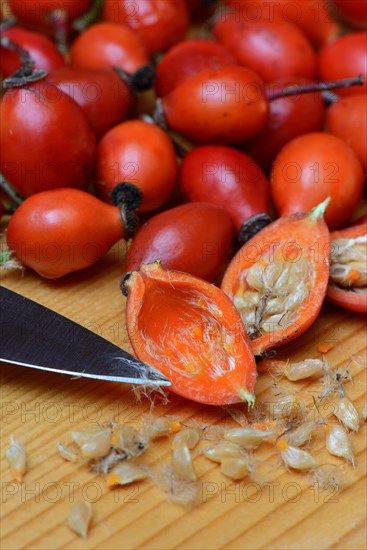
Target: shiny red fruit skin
<point>63,230</point>
<point>343,58</point>
<point>225,177</point>
<point>353,12</point>
<point>289,117</point>
<point>271,49</point>
<point>39,13</point>
<point>140,153</point>
<point>186,59</point>
<point>313,167</point>
<point>193,237</point>
<point>347,119</point>
<point>103,96</point>
<point>314,17</point>
<point>104,45</point>
<point>41,49</point>
<point>158,23</point>
<point>46,141</point>
<point>225,105</point>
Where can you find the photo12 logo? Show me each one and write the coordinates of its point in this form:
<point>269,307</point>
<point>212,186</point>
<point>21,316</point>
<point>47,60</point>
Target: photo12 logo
<point>269,491</point>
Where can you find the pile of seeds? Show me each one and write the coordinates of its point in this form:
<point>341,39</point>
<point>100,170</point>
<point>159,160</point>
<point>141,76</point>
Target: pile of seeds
<point>115,450</point>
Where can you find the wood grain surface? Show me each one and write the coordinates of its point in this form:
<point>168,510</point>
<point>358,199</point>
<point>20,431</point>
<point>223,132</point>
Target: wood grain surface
<point>287,511</point>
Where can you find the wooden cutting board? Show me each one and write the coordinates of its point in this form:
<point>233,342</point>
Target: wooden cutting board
<point>287,511</point>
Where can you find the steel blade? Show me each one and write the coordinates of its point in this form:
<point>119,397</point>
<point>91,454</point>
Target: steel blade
<point>37,337</point>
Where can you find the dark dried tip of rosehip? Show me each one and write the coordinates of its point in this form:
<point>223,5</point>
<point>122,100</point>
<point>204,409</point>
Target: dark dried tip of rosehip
<point>143,78</point>
<point>131,223</point>
<point>252,226</point>
<point>127,194</point>
<point>22,77</point>
<point>123,286</point>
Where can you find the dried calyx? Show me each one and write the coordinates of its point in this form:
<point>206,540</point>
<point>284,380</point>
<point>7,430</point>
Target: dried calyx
<point>141,80</point>
<point>26,73</point>
<point>252,226</point>
<point>128,197</point>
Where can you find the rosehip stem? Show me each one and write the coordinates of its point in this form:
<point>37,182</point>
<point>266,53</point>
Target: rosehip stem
<point>59,24</point>
<point>25,59</point>
<point>26,73</point>
<point>89,17</point>
<point>4,25</point>
<point>7,188</point>
<point>297,89</point>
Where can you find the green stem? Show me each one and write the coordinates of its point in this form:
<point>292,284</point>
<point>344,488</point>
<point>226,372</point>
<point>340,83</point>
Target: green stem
<point>248,397</point>
<point>9,207</point>
<point>319,210</point>
<point>7,188</point>
<point>88,18</point>
<point>5,256</point>
<point>59,24</point>
<point>26,62</point>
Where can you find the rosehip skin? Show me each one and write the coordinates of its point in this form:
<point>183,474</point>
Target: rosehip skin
<point>273,50</point>
<point>103,96</point>
<point>225,105</point>
<point>347,119</point>
<point>313,167</point>
<point>225,177</point>
<point>313,17</point>
<point>63,230</point>
<point>187,59</point>
<point>105,45</point>
<point>41,13</point>
<point>158,23</point>
<point>354,12</point>
<point>193,237</point>
<point>46,140</point>
<point>343,58</point>
<point>140,153</point>
<point>289,117</point>
<point>41,49</point>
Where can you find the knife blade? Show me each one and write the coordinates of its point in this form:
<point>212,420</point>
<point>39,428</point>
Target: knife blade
<point>32,335</point>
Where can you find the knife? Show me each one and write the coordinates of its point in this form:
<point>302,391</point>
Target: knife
<point>32,335</point>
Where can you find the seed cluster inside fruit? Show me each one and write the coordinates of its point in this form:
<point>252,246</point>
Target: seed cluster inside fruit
<point>348,267</point>
<point>270,295</point>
